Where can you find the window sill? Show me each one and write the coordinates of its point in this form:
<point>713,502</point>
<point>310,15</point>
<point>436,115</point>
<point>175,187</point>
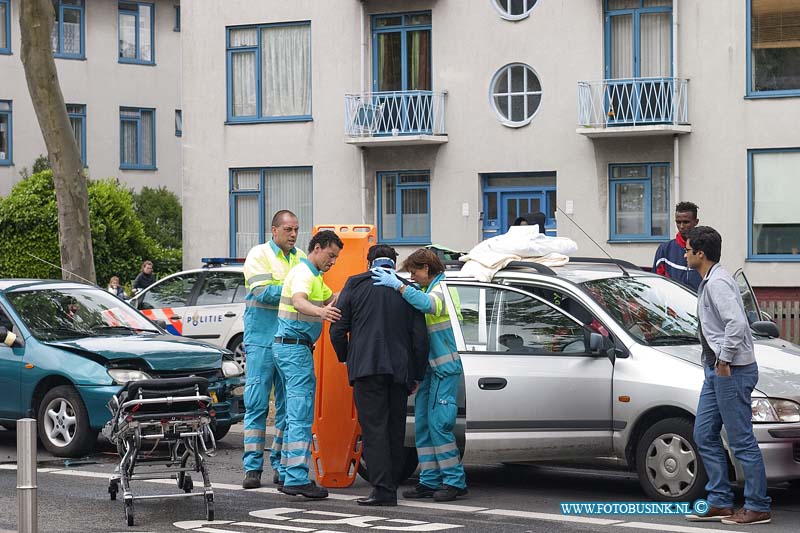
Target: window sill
<point>136,62</point>
<point>298,118</point>
<point>81,57</point>
<point>5,163</point>
<point>785,258</point>
<point>634,240</point>
<point>405,243</point>
<point>130,167</point>
<point>773,94</point>
<point>5,52</point>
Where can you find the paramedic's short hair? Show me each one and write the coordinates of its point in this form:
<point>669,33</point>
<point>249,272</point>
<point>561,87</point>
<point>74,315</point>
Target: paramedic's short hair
<point>325,238</point>
<point>278,217</point>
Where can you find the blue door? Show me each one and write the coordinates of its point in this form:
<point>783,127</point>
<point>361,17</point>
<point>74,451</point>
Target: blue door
<point>506,197</point>
<point>10,368</point>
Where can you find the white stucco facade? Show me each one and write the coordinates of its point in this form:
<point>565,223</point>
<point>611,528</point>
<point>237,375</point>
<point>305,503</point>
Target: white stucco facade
<point>104,85</point>
<point>563,42</point>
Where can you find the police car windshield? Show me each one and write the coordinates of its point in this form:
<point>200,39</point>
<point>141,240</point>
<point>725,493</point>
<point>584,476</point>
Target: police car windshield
<point>58,314</point>
<point>653,310</point>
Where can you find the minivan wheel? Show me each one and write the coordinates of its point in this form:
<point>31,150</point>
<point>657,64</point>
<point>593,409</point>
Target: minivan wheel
<point>236,345</point>
<point>63,423</point>
<point>668,464</point>
<point>410,462</point>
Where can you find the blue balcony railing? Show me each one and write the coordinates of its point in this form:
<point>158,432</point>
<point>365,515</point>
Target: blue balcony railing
<point>394,113</point>
<point>633,102</point>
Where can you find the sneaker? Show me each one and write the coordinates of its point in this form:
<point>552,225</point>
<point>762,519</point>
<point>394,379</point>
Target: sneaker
<point>252,479</point>
<point>309,490</point>
<point>449,493</point>
<point>714,514</point>
<point>747,517</point>
<point>419,491</point>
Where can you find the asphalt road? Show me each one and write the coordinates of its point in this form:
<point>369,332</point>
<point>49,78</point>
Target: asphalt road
<point>73,497</point>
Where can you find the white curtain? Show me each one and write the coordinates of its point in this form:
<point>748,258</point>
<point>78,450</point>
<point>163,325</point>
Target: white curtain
<point>290,189</point>
<point>243,65</point>
<point>286,71</point>
<point>130,142</point>
<point>388,208</point>
<point>775,186</point>
<point>71,26</point>
<point>246,223</point>
<point>415,212</point>
<point>127,35</point>
<point>75,122</point>
<point>622,46</point>
<point>3,43</point>
<point>656,44</point>
<point>146,136</point>
<point>144,32</point>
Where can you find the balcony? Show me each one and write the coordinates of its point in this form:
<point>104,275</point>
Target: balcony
<point>633,107</point>
<point>404,118</point>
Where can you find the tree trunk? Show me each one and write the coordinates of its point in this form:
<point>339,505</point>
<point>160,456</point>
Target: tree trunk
<point>74,232</point>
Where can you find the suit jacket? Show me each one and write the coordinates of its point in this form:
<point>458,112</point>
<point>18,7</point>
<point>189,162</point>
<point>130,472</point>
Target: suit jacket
<point>386,334</point>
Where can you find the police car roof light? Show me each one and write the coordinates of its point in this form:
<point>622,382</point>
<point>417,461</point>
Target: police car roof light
<point>217,261</point>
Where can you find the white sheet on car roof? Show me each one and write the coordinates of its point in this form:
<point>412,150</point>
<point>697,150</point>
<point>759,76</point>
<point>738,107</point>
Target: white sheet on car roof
<point>520,243</point>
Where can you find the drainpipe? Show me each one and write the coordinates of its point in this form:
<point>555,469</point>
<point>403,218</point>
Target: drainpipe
<point>676,174</point>
<point>362,154</point>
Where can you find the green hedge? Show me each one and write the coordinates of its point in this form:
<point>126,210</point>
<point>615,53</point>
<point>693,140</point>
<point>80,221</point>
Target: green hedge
<point>120,241</point>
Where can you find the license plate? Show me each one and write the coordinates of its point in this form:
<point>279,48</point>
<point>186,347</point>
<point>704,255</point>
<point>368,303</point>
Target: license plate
<point>213,396</point>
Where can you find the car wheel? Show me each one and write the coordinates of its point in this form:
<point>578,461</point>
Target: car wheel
<point>64,423</point>
<point>668,463</point>
<point>410,462</point>
<point>237,347</point>
<point>220,430</point>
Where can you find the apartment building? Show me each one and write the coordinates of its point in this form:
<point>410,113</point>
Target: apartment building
<point>119,65</point>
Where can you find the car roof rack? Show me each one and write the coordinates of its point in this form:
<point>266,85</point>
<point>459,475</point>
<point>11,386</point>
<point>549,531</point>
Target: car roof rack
<point>605,260</point>
<point>538,267</point>
<point>221,261</point>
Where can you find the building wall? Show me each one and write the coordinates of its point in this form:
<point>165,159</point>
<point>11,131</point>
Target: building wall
<point>103,85</point>
<point>562,40</point>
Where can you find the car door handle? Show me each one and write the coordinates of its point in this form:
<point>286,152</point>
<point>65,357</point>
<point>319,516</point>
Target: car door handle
<point>175,317</point>
<point>492,383</point>
<point>229,314</point>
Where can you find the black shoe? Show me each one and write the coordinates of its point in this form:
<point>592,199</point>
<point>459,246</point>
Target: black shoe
<point>276,478</point>
<point>309,490</point>
<point>448,493</point>
<point>252,479</point>
<point>419,491</point>
<point>372,500</point>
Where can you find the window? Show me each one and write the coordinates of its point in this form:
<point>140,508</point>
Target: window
<point>258,193</point>
<point>514,9</point>
<point>508,196</point>
<point>773,178</point>
<point>5,133</point>
<point>67,35</point>
<point>137,134</point>
<point>639,199</point>
<point>516,94</point>
<point>773,39</point>
<point>174,292</point>
<point>269,73</point>
<point>220,288</point>
<point>136,33</point>
<point>77,119</point>
<point>404,207</point>
<point>5,26</point>
<point>178,123</point>
<point>177,26</point>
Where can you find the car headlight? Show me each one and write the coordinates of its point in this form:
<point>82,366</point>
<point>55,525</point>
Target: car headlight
<point>772,410</point>
<point>124,375</point>
<point>231,369</point>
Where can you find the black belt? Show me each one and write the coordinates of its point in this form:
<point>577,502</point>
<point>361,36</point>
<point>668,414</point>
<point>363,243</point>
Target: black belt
<point>289,340</point>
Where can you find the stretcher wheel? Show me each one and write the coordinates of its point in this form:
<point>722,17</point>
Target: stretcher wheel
<point>188,484</point>
<point>210,507</point>
<point>113,489</point>
<point>129,512</point>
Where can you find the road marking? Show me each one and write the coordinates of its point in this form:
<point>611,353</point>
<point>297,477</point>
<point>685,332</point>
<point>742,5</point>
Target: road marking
<point>552,517</point>
<point>679,529</point>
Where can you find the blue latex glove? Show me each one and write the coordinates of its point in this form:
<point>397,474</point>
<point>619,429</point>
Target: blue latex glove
<point>386,278</point>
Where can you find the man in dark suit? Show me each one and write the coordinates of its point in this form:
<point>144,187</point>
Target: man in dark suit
<point>386,356</point>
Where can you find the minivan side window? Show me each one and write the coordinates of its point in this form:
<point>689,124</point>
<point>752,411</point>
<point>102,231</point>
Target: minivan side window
<point>475,306</point>
<point>174,292</point>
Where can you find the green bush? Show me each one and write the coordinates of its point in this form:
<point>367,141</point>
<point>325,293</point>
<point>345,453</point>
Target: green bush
<point>160,212</point>
<point>120,241</point>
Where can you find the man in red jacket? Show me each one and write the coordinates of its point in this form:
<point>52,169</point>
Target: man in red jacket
<point>670,261</point>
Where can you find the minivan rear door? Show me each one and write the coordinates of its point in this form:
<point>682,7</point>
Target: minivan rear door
<point>533,389</point>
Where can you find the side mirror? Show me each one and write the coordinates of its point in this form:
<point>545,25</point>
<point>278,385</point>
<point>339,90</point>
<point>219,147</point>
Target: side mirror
<point>160,323</point>
<point>766,328</point>
<point>595,342</point>
<point>766,316</point>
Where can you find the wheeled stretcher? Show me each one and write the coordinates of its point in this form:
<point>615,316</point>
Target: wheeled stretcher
<point>162,430</point>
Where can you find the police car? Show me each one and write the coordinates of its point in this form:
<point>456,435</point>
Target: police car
<point>205,303</point>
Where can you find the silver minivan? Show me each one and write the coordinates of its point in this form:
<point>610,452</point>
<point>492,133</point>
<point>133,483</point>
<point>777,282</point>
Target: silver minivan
<point>597,362</point>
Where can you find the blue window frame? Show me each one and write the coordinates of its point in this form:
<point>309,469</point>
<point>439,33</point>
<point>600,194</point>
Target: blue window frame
<point>67,37</point>
<point>5,26</point>
<point>77,119</point>
<point>639,201</point>
<point>773,49</point>
<point>6,144</point>
<point>137,33</point>
<point>404,207</point>
<point>178,123</point>
<point>263,89</point>
<point>638,38</point>
<point>177,26</point>
<point>256,194</point>
<point>401,52</point>
<point>507,196</point>
<point>773,229</point>
<point>137,138</point>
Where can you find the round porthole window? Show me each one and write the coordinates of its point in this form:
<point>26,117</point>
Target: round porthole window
<point>516,94</point>
<point>514,9</point>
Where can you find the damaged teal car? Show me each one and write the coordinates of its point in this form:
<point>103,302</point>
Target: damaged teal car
<point>66,348</point>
